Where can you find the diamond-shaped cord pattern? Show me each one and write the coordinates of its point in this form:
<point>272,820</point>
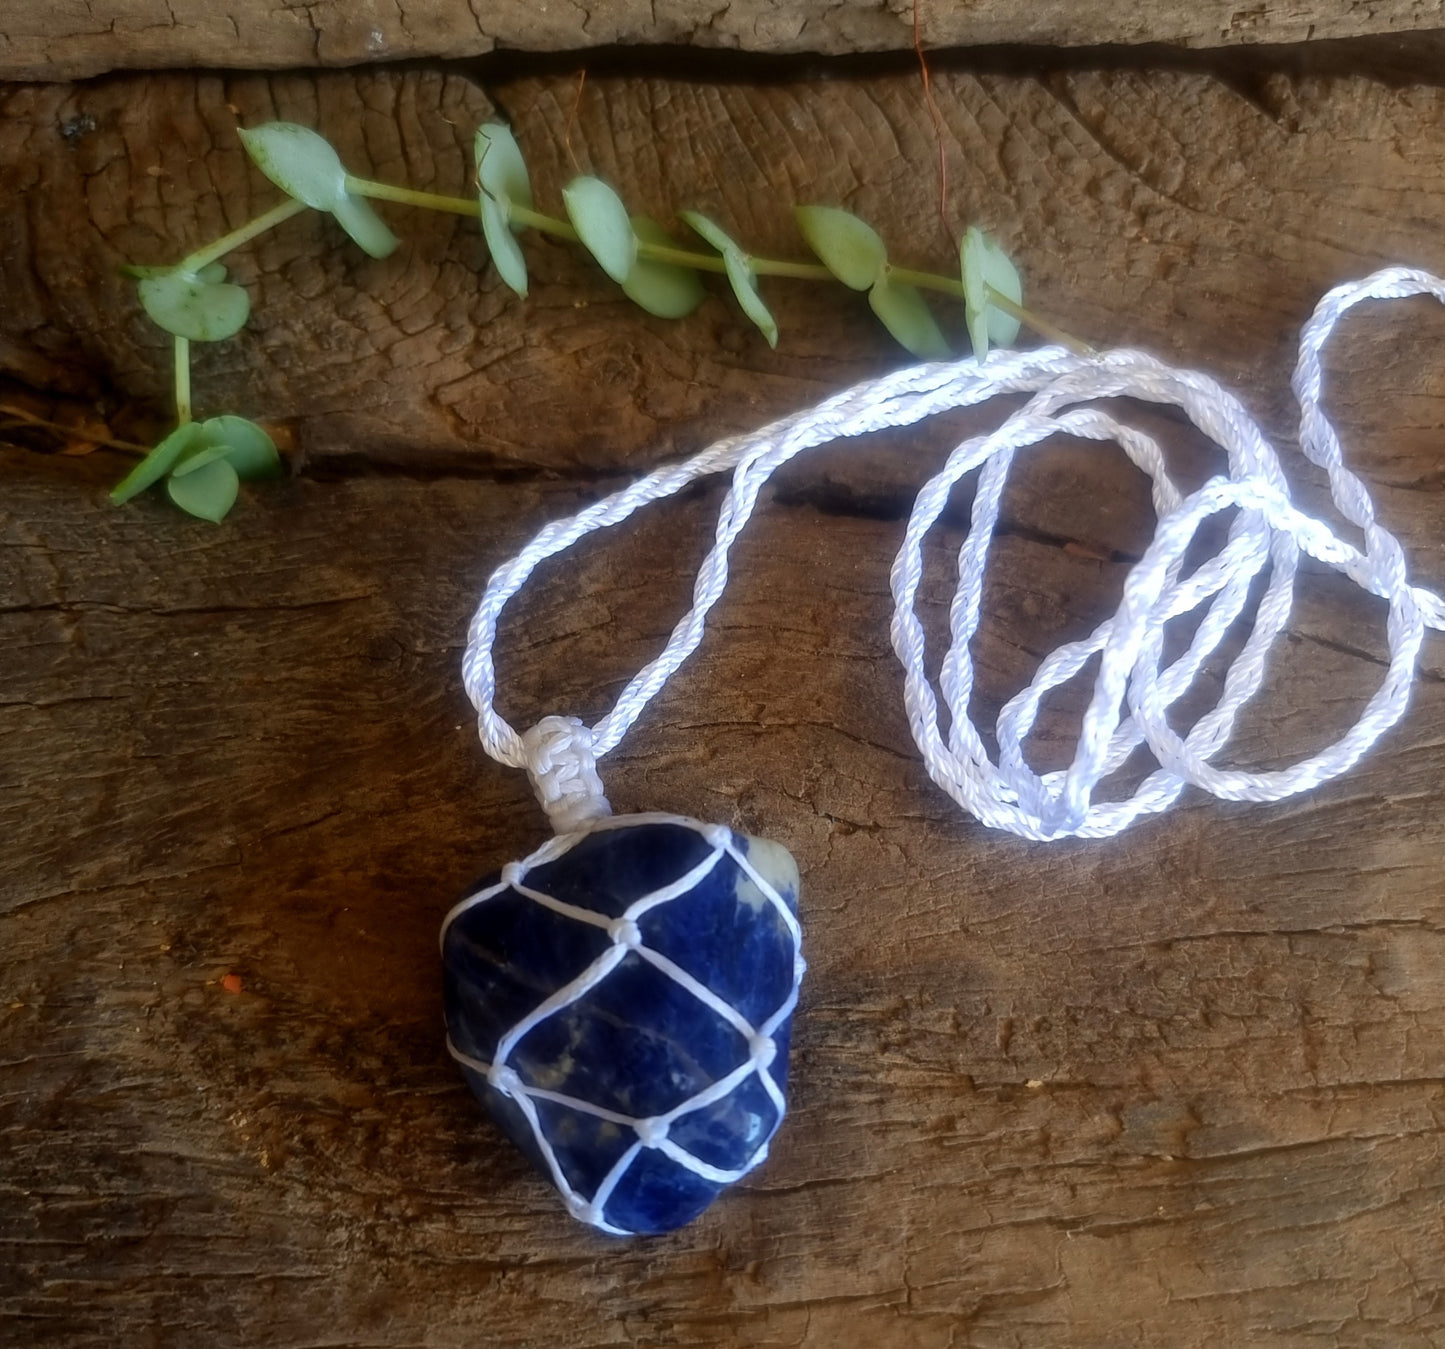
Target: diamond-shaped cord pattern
<point>652,1132</point>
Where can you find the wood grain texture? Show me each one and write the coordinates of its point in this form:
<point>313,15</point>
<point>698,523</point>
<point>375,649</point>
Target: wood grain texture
<point>1173,211</point>
<point>41,40</point>
<point>1183,1088</point>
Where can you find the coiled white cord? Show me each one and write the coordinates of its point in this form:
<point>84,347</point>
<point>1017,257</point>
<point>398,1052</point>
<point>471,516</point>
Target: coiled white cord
<point>1134,689</point>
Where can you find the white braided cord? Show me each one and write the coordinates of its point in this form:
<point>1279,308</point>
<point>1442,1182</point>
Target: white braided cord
<point>1134,689</point>
<point>627,939</point>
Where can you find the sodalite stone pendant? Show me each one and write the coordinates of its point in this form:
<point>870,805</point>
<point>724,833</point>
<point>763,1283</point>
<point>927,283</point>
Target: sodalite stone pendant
<point>621,1002</point>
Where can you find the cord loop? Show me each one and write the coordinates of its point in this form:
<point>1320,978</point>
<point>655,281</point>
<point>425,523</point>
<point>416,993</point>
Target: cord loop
<point>1135,686</point>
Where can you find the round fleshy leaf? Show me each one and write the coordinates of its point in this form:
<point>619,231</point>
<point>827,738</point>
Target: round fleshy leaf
<point>301,163</point>
<point>245,446</point>
<point>158,462</point>
<point>848,247</point>
<point>1003,276</point>
<point>713,233</point>
<point>661,288</point>
<point>739,273</point>
<point>501,170</point>
<point>188,306</point>
<point>305,166</point>
<point>602,223</point>
<point>907,317</point>
<point>208,491</point>
<point>502,181</point>
<point>367,229</point>
<point>205,454</point>
<point>213,273</point>
<point>984,264</point>
<point>745,287</point>
<point>506,251</point>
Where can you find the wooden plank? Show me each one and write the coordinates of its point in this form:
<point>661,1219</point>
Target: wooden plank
<point>1167,210</point>
<point>1087,1093</point>
<point>1184,1088</point>
<point>43,41</point>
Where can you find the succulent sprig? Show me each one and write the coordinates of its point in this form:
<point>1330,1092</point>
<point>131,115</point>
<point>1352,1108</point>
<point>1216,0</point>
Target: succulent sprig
<point>203,463</point>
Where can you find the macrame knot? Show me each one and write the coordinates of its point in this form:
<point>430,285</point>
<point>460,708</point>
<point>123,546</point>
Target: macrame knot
<point>763,1049</point>
<point>563,768</point>
<point>584,1210</point>
<point>624,932</point>
<point>503,1079</point>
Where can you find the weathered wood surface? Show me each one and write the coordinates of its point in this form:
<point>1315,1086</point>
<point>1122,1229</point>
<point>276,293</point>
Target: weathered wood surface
<point>1184,1088</point>
<point>41,40</point>
<point>1173,211</point>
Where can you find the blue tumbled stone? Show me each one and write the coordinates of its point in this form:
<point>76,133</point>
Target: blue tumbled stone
<point>600,1089</point>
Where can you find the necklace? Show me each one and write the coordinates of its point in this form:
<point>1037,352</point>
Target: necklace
<point>621,1000</point>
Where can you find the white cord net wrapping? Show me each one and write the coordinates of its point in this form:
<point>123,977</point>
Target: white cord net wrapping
<point>1134,687</point>
<point>627,939</point>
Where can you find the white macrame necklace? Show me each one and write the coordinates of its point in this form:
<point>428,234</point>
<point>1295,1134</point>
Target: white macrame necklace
<point>575,977</point>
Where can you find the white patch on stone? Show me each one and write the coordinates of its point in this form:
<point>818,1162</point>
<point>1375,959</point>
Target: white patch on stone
<point>775,864</point>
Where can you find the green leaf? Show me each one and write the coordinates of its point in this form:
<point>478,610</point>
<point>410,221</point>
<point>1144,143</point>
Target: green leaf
<point>907,317</point>
<point>207,454</point>
<point>713,233</point>
<point>985,264</point>
<point>190,449</point>
<point>189,304</point>
<point>846,246</point>
<point>745,287</point>
<point>662,288</point>
<point>601,222</point>
<point>367,229</point>
<point>305,166</point>
<point>506,251</point>
<point>246,447</point>
<point>301,163</point>
<point>502,181</point>
<point>1003,329</point>
<point>501,170</point>
<point>207,491</point>
<point>157,463</point>
<point>739,273</point>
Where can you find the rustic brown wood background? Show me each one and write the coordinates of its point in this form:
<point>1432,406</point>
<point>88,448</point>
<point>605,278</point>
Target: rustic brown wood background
<point>46,40</point>
<point>1182,1088</point>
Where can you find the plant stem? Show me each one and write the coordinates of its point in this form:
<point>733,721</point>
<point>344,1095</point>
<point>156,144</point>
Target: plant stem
<point>205,256</point>
<point>560,229</point>
<point>802,271</point>
<point>681,257</point>
<point>538,220</point>
<point>706,262</point>
<point>183,379</point>
<point>944,285</point>
<point>678,257</point>
<point>948,286</point>
<point>713,262</point>
<point>430,201</point>
<point>1041,326</point>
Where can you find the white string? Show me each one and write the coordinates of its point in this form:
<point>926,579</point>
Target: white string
<point>627,938</point>
<point>1134,688</point>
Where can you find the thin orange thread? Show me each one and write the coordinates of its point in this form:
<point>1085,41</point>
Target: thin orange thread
<point>572,117</point>
<point>937,117</point>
